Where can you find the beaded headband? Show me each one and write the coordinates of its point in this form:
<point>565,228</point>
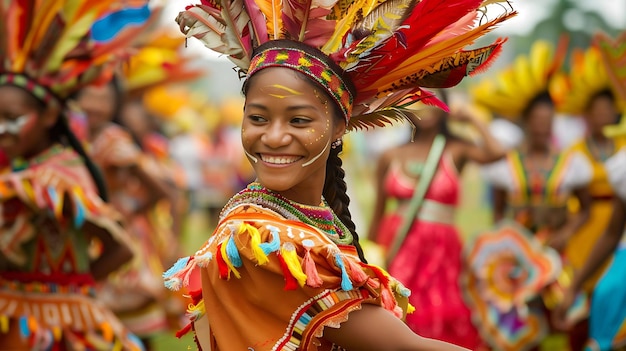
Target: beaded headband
<point>312,67</point>
<point>37,90</point>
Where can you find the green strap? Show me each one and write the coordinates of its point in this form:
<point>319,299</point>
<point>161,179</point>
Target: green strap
<point>430,168</point>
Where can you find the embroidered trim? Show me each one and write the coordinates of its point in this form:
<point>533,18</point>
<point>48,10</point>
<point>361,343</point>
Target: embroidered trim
<point>39,91</point>
<point>311,66</point>
<point>302,316</point>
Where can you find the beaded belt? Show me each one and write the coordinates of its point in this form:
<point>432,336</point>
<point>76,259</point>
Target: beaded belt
<point>436,212</point>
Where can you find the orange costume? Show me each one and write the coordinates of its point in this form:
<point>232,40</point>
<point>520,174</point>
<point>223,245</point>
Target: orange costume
<point>267,246</point>
<point>46,289</point>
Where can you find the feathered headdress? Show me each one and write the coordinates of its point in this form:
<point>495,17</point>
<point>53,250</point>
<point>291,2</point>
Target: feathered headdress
<point>47,48</point>
<point>598,68</point>
<point>386,50</point>
<point>510,91</point>
<point>160,61</point>
<point>613,53</point>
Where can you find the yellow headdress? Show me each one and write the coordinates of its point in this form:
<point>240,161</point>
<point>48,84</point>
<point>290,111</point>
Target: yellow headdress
<point>373,57</point>
<point>613,53</point>
<point>160,61</point>
<point>47,46</point>
<point>587,77</point>
<point>511,90</point>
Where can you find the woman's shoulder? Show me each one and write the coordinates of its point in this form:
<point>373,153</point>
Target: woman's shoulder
<point>499,173</point>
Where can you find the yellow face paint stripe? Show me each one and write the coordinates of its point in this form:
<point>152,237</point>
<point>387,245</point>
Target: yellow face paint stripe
<point>287,89</point>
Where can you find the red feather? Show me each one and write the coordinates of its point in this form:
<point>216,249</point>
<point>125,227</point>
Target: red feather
<point>428,19</point>
<point>257,21</point>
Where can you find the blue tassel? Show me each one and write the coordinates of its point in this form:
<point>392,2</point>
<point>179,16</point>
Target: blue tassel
<point>177,267</point>
<point>346,284</point>
<point>273,245</point>
<point>233,253</point>
<point>136,341</point>
<point>24,330</point>
<point>79,216</point>
<point>404,291</point>
<point>52,193</point>
<point>173,283</point>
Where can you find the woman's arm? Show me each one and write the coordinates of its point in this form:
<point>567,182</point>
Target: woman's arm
<point>574,221</point>
<point>606,245</point>
<point>375,329</point>
<point>499,204</point>
<point>156,188</point>
<point>489,150</point>
<point>602,250</point>
<point>379,204</point>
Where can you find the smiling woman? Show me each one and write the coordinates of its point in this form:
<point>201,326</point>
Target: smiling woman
<point>284,270</point>
<point>287,133</point>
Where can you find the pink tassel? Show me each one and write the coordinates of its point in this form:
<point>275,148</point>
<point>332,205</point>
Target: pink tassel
<point>356,272</point>
<point>389,302</point>
<point>380,274</point>
<point>312,277</point>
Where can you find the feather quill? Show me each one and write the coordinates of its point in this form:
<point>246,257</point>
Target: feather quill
<point>305,20</point>
<point>237,35</point>
<point>355,13</point>
<point>257,22</point>
<point>272,10</point>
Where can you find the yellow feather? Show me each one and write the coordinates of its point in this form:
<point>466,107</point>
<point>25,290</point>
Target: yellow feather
<point>347,21</point>
<point>272,9</point>
<point>523,79</point>
<point>68,40</point>
<point>41,21</point>
<point>540,61</point>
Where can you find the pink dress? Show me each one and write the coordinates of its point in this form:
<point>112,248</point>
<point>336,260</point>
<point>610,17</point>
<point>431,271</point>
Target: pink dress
<point>429,261</point>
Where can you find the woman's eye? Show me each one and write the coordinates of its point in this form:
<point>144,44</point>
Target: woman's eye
<point>300,120</point>
<point>256,118</point>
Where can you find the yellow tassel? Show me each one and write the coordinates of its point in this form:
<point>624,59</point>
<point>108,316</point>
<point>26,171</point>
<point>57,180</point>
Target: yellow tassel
<point>117,346</point>
<point>4,324</point>
<point>57,332</point>
<point>288,251</point>
<point>255,242</point>
<point>196,311</point>
<point>28,190</point>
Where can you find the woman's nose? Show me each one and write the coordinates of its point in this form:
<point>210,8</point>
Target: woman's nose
<point>276,135</point>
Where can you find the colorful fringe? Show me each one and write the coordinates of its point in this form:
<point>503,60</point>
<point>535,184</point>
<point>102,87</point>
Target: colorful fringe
<point>298,270</point>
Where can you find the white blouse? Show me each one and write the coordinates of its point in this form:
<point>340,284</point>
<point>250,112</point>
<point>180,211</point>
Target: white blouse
<point>616,171</point>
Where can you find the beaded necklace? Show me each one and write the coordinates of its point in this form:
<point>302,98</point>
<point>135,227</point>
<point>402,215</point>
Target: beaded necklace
<point>321,217</point>
<point>600,151</point>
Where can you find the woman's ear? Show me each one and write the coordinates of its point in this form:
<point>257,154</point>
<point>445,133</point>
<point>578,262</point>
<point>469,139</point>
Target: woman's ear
<point>340,129</point>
